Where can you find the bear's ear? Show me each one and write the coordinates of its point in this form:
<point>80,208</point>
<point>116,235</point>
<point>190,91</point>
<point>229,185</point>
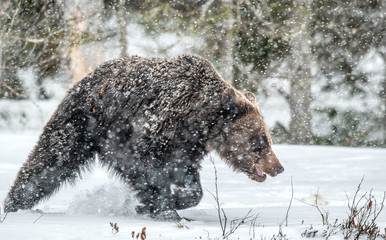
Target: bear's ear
<point>251,97</point>
<point>233,106</point>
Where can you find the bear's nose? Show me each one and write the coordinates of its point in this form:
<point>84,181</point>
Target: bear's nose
<point>279,170</point>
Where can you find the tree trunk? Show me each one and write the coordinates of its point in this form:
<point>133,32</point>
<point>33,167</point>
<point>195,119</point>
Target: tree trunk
<point>227,45</point>
<point>300,96</point>
<point>122,28</point>
<point>300,102</point>
<point>383,99</point>
<point>384,111</point>
<point>84,15</point>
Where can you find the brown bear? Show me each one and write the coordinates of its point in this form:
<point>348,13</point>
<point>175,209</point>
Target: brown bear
<point>151,121</point>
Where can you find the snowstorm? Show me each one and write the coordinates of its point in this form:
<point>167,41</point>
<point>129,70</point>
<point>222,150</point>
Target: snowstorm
<point>180,119</point>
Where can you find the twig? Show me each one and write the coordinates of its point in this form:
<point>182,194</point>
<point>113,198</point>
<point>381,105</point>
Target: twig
<point>380,210</point>
<point>222,217</point>
<point>253,226</point>
<point>355,195</point>
<point>290,204</point>
<point>2,211</point>
<point>236,223</point>
<point>216,198</point>
<point>225,222</point>
<point>332,229</point>
<point>316,205</point>
<point>38,218</point>
<point>2,220</point>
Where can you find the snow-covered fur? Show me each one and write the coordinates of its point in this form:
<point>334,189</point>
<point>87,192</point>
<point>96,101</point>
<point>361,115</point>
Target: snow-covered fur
<point>151,121</point>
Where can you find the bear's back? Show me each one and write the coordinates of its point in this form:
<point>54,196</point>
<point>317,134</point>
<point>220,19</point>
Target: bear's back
<point>147,92</point>
<point>146,83</point>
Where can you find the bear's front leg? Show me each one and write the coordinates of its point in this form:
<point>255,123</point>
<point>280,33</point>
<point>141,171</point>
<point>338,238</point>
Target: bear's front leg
<point>186,187</point>
<point>176,187</point>
<point>156,202</point>
<point>152,187</point>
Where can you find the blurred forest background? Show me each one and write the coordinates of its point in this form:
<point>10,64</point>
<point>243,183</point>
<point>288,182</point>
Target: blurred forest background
<point>318,67</point>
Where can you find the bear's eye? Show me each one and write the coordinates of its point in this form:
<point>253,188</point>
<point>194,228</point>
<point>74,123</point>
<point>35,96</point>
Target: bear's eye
<point>259,144</point>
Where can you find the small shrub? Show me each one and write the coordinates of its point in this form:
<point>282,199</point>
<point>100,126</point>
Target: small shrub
<point>364,210</point>
<point>309,232</point>
<point>331,229</point>
<point>280,235</point>
<point>114,228</point>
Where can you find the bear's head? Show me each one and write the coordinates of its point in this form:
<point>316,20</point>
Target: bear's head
<point>243,140</point>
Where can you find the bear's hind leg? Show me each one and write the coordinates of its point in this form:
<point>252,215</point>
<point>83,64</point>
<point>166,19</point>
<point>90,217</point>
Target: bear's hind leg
<point>60,154</point>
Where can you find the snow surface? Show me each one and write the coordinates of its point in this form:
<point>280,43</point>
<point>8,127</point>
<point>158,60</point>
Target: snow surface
<point>85,210</point>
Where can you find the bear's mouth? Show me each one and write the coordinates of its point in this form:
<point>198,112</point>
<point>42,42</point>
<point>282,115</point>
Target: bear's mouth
<point>259,175</point>
<point>259,171</point>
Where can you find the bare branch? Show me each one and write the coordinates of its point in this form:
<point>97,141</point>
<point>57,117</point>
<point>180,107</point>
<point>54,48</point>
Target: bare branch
<point>216,198</point>
<point>289,207</point>
<point>1,213</point>
<point>236,223</point>
<point>2,220</point>
<point>253,226</point>
<point>222,217</point>
<point>38,218</point>
<point>324,214</point>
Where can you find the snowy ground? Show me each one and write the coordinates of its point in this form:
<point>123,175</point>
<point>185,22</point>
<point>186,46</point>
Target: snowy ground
<point>84,211</point>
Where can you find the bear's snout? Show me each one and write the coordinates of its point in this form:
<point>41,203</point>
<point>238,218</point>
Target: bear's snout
<point>277,171</point>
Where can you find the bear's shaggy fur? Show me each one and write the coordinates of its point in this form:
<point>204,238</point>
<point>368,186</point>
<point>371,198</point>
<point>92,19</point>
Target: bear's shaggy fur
<point>151,121</point>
